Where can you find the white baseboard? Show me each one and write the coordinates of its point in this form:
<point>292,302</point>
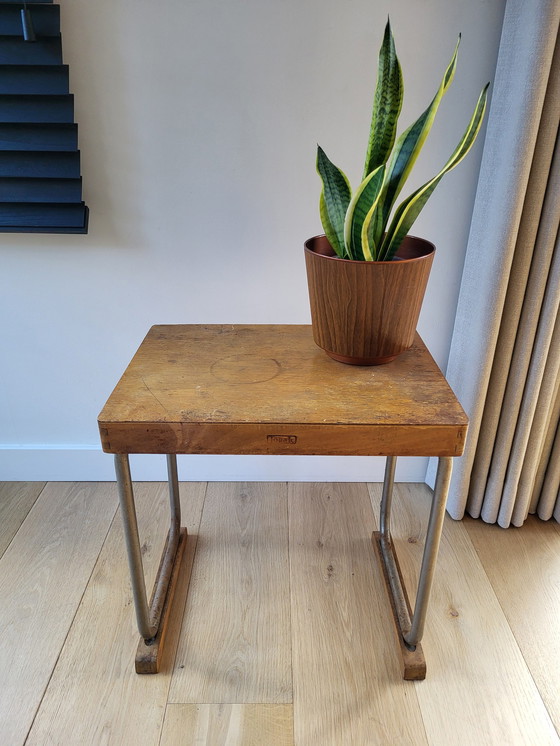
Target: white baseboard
<point>86,463</point>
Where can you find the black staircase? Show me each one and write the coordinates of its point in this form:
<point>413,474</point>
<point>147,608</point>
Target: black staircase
<point>40,182</point>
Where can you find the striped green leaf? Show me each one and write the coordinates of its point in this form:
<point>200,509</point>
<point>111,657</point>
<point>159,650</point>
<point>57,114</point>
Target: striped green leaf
<point>330,233</point>
<point>335,198</point>
<point>387,105</point>
<point>408,211</point>
<point>369,247</point>
<point>406,152</point>
<point>360,207</point>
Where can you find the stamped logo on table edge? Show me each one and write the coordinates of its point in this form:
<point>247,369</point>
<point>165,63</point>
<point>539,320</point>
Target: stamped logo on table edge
<point>284,439</point>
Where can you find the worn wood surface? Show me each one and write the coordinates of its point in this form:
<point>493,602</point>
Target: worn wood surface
<point>269,389</point>
<point>235,642</point>
<point>228,725</point>
<point>347,682</point>
<point>16,500</point>
<point>479,689</point>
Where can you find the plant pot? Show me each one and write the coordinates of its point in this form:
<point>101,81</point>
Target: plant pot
<point>365,313</point>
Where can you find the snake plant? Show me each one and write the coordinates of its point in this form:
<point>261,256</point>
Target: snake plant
<point>357,223</point>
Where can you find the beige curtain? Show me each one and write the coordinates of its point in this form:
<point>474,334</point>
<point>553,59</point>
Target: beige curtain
<point>505,356</point>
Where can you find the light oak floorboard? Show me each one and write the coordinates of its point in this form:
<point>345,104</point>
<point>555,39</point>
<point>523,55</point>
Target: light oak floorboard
<point>43,574</point>
<point>228,725</point>
<point>524,568</point>
<point>235,643</point>
<point>478,687</point>
<point>347,682</point>
<point>16,500</point>
<point>95,696</point>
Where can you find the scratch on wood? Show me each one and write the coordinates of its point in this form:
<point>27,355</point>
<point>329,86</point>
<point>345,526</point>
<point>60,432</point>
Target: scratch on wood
<point>155,397</point>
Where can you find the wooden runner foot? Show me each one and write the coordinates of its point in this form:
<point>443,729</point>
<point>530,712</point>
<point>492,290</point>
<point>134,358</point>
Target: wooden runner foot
<point>148,657</point>
<point>413,661</point>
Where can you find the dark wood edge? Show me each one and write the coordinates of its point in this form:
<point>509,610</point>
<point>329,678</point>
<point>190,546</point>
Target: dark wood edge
<point>148,657</point>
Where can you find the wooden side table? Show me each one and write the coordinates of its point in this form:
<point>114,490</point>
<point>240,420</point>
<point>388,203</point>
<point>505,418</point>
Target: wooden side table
<point>268,389</point>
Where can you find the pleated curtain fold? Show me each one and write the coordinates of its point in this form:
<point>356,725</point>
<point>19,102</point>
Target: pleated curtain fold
<point>504,362</point>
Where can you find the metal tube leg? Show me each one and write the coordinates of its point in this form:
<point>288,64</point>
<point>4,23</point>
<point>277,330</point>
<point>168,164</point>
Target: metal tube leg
<point>387,497</point>
<point>148,617</point>
<point>433,536</point>
<point>128,510</point>
<point>386,547</point>
<point>166,567</point>
<point>174,500</point>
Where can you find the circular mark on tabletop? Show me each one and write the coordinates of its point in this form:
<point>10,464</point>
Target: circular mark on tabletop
<point>245,369</point>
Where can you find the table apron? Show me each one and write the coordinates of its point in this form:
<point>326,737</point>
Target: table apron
<point>281,439</point>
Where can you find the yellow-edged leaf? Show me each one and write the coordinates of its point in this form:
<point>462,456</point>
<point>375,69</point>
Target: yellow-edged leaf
<point>387,104</point>
<point>362,200</point>
<point>406,152</point>
<point>335,199</point>
<point>408,211</point>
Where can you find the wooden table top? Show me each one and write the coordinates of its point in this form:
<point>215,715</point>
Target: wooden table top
<point>268,389</point>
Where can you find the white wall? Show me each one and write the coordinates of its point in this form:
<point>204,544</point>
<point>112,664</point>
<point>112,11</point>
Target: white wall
<point>198,122</point>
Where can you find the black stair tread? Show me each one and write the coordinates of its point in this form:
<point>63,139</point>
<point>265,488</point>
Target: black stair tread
<point>33,136</point>
<point>45,19</point>
<point>34,79</point>
<point>43,218</point>
<point>37,108</point>
<point>4,97</point>
<point>17,189</point>
<point>45,51</point>
<point>37,163</point>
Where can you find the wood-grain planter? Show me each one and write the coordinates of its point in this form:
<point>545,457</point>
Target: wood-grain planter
<point>365,313</point>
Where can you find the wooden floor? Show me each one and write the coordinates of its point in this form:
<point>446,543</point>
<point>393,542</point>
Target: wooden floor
<point>286,635</point>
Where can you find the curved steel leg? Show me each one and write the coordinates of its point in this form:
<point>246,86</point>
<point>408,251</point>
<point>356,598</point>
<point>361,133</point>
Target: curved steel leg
<point>387,550</point>
<point>148,617</point>
<point>431,547</point>
<point>411,624</point>
<point>387,497</point>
